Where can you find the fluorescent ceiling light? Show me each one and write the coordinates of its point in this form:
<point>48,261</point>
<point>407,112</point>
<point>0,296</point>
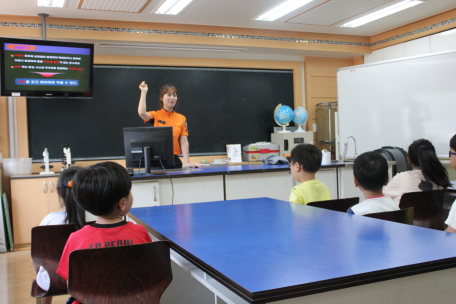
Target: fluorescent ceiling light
<point>175,47</point>
<point>383,13</point>
<point>449,32</point>
<point>172,7</point>
<point>51,3</point>
<point>282,9</point>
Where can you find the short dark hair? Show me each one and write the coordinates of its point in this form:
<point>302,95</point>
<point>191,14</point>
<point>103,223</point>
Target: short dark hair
<point>98,188</point>
<point>453,143</point>
<point>371,170</point>
<point>308,156</point>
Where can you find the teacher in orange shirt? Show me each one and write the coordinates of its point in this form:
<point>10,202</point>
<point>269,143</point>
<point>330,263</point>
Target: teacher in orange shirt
<point>167,117</point>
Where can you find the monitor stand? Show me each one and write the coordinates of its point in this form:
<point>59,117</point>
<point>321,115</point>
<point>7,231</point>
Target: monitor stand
<point>146,153</point>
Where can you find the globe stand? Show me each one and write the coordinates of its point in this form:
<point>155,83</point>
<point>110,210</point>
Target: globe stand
<point>284,129</point>
<point>299,129</point>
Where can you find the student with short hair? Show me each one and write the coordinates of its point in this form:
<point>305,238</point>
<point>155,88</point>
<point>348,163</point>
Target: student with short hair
<point>428,172</point>
<point>451,220</point>
<point>305,162</point>
<point>104,190</point>
<point>370,174</point>
<point>69,213</point>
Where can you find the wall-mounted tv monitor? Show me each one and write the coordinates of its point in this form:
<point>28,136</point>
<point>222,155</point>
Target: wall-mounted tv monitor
<point>41,68</point>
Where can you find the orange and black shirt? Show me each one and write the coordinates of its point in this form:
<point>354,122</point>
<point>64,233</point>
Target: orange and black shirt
<point>162,118</point>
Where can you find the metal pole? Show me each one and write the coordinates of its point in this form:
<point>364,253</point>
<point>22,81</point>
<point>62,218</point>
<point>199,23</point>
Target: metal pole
<point>12,127</point>
<point>43,25</point>
<point>329,118</point>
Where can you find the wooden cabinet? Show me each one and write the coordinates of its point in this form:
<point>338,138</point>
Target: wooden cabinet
<point>31,200</point>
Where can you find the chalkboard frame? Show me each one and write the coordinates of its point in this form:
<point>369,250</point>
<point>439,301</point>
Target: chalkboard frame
<point>153,105</point>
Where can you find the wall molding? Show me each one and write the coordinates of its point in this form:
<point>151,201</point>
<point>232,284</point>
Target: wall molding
<point>32,25</point>
<point>179,33</point>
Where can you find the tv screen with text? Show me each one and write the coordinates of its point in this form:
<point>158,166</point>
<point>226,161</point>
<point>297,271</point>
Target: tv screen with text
<point>36,68</point>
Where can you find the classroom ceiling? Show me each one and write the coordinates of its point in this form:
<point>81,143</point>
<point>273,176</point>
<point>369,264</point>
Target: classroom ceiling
<point>325,14</point>
<point>318,16</point>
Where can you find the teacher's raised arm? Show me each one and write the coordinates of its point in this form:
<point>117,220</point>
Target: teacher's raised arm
<point>142,102</point>
<point>167,117</point>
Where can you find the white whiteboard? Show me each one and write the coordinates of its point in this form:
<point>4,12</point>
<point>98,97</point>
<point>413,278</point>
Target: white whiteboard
<point>394,102</point>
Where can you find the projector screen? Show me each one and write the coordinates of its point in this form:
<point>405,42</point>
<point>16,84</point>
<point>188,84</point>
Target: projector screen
<point>392,103</point>
<point>37,68</point>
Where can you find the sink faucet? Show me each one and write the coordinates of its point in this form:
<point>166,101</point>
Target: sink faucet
<point>345,149</point>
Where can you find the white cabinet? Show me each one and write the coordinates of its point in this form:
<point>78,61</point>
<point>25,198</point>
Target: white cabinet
<point>182,190</point>
<point>272,184</point>
<point>145,193</point>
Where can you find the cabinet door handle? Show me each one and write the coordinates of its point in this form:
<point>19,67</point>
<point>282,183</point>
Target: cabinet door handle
<point>155,194</point>
<point>44,187</point>
<point>51,187</point>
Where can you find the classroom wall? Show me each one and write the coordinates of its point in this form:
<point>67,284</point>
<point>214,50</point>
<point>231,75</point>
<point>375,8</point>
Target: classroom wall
<point>418,38</point>
<point>84,29</point>
<point>320,72</point>
<point>321,82</point>
<point>440,42</point>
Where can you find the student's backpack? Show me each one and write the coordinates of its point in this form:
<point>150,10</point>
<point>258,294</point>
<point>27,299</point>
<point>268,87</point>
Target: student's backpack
<point>398,155</point>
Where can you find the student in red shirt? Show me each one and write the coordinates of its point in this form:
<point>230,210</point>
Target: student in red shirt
<point>104,190</point>
<point>167,116</point>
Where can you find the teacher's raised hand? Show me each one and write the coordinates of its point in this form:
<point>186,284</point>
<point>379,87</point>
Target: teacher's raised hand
<point>143,87</point>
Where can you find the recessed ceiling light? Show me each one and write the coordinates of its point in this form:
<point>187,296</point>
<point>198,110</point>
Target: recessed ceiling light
<point>172,7</point>
<point>282,9</point>
<point>392,9</point>
<point>51,3</point>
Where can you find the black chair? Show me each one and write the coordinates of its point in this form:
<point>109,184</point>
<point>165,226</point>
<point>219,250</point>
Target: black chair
<point>48,243</point>
<point>124,274</point>
<point>340,205</point>
<point>403,216</point>
<point>428,208</point>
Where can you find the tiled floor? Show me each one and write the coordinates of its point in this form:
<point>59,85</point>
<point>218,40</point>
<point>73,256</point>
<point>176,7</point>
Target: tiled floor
<point>16,276</point>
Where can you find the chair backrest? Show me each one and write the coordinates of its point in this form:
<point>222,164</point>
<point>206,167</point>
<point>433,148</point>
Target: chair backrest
<point>428,208</point>
<point>403,216</point>
<point>341,204</point>
<point>124,274</point>
<point>48,243</point>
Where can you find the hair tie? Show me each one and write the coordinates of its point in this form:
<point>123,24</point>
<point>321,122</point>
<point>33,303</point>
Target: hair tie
<point>422,146</point>
<point>70,184</point>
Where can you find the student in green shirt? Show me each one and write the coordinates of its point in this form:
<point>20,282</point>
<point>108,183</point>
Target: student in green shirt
<point>305,162</point>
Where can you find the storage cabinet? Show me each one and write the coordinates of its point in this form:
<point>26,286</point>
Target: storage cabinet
<point>31,200</point>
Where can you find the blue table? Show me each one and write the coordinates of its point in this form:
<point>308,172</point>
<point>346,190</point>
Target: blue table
<point>267,250</point>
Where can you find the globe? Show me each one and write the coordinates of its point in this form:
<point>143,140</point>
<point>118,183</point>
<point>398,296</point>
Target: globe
<point>300,117</point>
<point>283,115</point>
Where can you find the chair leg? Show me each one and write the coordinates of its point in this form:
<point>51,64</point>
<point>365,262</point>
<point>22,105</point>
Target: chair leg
<point>38,300</point>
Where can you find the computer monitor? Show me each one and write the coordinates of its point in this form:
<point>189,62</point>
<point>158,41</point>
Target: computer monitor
<point>145,147</point>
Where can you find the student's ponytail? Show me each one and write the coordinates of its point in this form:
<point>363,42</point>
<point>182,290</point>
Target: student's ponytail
<point>74,213</point>
<point>422,155</point>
